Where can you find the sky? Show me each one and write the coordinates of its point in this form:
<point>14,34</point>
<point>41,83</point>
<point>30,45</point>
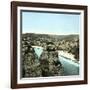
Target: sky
<point>50,23</point>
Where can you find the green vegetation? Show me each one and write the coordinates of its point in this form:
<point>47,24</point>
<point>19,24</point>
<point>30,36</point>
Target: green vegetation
<point>48,63</point>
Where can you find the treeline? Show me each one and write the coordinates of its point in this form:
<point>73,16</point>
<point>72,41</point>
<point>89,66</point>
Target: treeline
<point>69,43</point>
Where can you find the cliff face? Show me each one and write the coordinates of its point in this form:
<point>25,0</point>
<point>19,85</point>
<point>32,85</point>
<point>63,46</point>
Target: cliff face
<point>47,64</point>
<point>50,64</point>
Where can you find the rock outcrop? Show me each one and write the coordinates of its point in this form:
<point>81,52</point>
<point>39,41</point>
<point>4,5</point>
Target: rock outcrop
<point>47,65</point>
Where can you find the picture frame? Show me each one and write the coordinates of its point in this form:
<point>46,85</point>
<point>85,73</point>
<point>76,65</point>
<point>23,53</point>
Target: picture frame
<point>30,14</point>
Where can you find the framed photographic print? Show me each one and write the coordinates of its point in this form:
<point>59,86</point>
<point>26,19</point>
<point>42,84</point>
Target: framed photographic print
<point>48,44</point>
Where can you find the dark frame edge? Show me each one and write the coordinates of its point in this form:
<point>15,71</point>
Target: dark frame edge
<point>13,47</point>
<point>86,44</point>
<point>66,83</point>
<point>48,5</point>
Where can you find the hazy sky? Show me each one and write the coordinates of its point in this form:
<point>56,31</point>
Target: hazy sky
<point>36,22</point>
